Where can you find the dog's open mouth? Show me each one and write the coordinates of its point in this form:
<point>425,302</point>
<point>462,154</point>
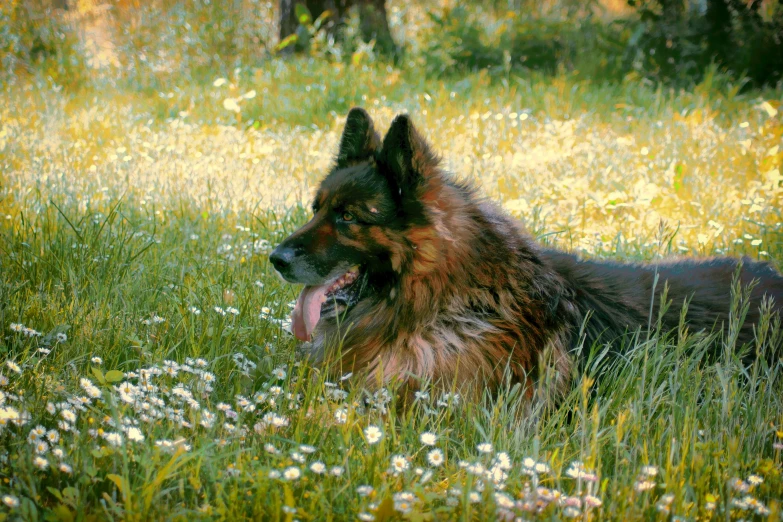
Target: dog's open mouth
<point>328,300</point>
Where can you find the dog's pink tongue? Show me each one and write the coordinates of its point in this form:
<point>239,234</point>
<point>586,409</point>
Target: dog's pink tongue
<point>307,311</point>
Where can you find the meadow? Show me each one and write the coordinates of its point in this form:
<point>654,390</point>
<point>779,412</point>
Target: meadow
<point>148,372</point>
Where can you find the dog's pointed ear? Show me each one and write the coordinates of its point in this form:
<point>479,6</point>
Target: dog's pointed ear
<point>359,141</point>
<point>405,156</point>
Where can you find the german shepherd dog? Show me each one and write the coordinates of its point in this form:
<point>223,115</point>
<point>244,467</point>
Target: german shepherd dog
<point>410,276</point>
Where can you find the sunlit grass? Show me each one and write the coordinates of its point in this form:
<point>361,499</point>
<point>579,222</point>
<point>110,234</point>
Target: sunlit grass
<point>135,229</point>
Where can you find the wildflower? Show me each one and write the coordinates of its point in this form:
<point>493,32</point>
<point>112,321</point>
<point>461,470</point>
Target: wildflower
<point>40,463</point>
<point>649,471</point>
<point>341,416</point>
<point>364,491</point>
<point>643,485</point>
<point>403,502</point>
<point>89,388</point>
<point>571,512</point>
<point>232,311</point>
<point>51,409</point>
<point>318,467</point>
<point>421,396</point>
<point>503,461</point>
<point>10,501</point>
<point>135,435</point>
<point>17,327</point>
<point>269,448</point>
<point>61,337</point>
<point>97,361</point>
<point>474,497</point>
<point>541,467</point>
<point>484,447</point>
<point>591,501</point>
<point>366,517</point>
<point>195,311</point>
<point>41,447</point>
<point>220,310</point>
<point>306,448</point>
<point>68,415</point>
<point>298,457</point>
<point>336,471</point>
<point>373,434</point>
<point>291,473</point>
<point>504,501</point>
<point>755,480</point>
<point>13,366</point>
<point>274,474</point>
<point>435,457</point>
<point>65,468</point>
<point>279,373</point>
<point>36,433</point>
<point>399,464</point>
<point>58,452</point>
<point>428,438</point>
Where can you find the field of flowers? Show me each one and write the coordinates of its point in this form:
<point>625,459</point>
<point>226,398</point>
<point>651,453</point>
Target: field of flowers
<point>147,371</point>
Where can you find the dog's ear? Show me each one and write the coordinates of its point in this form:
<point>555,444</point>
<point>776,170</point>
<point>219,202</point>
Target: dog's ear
<point>359,141</point>
<point>405,156</point>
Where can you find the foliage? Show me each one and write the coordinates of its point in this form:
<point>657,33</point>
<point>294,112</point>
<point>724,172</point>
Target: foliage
<point>34,37</point>
<point>676,41</point>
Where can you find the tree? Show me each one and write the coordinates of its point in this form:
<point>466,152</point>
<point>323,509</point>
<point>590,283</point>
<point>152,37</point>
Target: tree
<point>374,23</point>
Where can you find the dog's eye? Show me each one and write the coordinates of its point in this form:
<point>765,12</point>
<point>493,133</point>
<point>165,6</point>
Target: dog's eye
<point>347,217</point>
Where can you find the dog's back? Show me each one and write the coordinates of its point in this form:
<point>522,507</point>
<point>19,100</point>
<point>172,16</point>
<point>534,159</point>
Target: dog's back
<point>619,296</point>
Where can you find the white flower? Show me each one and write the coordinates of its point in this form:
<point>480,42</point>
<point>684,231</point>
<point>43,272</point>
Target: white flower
<point>341,416</point>
<point>503,461</point>
<point>373,434</point>
<point>364,491</point>
<point>61,337</point>
<point>96,360</point>
<point>40,463</point>
<point>279,373</point>
<point>428,438</point>
<point>484,447</point>
<point>11,501</point>
<point>65,468</point>
<point>435,457</point>
<point>68,416</point>
<point>650,471</point>
<point>318,467</point>
<point>336,471</point>
<point>115,439</point>
<point>135,435</point>
<point>399,464</point>
<point>291,473</point>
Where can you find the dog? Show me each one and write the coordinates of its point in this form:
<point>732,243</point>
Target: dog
<point>410,276</point>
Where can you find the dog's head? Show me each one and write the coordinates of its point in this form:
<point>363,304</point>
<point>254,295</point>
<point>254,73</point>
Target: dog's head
<point>354,245</point>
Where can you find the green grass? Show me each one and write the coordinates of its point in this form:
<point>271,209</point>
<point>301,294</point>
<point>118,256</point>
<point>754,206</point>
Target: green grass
<point>123,210</point>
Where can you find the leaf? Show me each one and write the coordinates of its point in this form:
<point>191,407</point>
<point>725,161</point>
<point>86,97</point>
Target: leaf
<point>303,14</point>
<point>56,493</point>
<point>63,513</point>
<point>114,376</point>
<point>385,510</point>
<point>122,485</point>
<point>98,375</point>
<point>288,40</point>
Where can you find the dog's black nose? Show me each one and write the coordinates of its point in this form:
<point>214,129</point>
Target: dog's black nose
<point>281,258</point>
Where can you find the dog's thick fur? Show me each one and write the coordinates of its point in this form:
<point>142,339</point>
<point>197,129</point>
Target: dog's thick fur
<point>453,291</point>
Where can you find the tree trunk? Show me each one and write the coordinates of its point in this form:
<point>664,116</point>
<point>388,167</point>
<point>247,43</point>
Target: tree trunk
<point>374,23</point>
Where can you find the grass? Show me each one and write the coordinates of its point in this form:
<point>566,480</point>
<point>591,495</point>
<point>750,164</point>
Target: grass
<point>134,232</point>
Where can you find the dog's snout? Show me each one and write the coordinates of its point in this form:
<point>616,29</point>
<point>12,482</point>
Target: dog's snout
<point>282,258</point>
